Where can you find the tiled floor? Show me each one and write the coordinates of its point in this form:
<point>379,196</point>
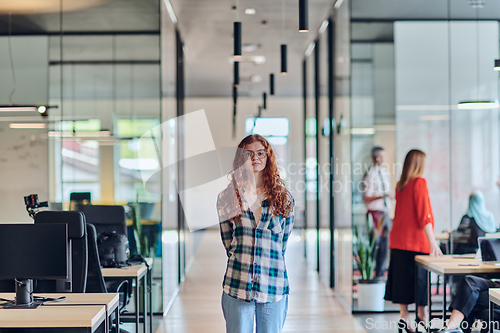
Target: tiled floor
<point>312,307</point>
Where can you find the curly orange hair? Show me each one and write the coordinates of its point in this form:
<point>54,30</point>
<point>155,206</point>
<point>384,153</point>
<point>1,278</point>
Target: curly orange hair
<point>280,201</point>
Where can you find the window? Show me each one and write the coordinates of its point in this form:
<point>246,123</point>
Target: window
<point>128,180</point>
<point>77,160</point>
<point>276,131</point>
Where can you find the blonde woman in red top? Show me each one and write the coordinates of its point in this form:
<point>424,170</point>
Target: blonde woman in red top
<point>412,234</point>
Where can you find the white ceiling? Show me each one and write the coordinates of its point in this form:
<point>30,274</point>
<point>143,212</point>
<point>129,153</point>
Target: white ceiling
<point>207,27</point>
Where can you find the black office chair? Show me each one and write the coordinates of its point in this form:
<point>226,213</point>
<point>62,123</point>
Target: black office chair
<point>465,237</point>
<point>77,235</point>
<point>106,218</point>
<point>95,280</point>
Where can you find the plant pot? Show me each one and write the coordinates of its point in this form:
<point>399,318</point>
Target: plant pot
<point>371,296</point>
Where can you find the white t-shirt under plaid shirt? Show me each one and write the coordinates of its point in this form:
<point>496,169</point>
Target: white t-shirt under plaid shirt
<point>256,268</point>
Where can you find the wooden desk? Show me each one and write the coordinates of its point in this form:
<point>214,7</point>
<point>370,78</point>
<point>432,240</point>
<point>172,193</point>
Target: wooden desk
<point>446,266</point>
<point>443,236</point>
<point>125,272</point>
<point>137,273</point>
<point>75,319</point>
<point>110,302</point>
<point>494,298</point>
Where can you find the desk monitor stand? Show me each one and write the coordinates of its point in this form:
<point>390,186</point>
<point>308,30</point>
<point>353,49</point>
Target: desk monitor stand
<point>24,296</point>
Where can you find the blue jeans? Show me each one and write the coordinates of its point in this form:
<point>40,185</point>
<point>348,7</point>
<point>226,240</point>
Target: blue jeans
<point>239,315</point>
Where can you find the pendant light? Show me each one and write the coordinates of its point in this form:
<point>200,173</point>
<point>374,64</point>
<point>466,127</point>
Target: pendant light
<point>271,84</point>
<point>283,59</point>
<point>478,104</point>
<point>303,16</point>
<point>237,39</point>
<point>259,113</point>
<point>235,100</point>
<point>497,65</point>
<point>235,95</point>
<point>474,105</point>
<point>236,54</point>
<point>236,80</point>
<point>264,100</point>
<point>237,33</point>
<point>283,46</point>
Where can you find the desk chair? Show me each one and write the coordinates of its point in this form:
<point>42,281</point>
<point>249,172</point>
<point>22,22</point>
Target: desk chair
<point>466,235</point>
<point>106,218</point>
<point>95,280</point>
<point>78,251</point>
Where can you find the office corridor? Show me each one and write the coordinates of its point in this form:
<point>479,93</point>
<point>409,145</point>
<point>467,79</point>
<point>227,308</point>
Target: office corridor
<point>312,307</point>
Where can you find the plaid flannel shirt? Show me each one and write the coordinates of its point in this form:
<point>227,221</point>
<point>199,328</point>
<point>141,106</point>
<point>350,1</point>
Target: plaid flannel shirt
<point>256,256</point>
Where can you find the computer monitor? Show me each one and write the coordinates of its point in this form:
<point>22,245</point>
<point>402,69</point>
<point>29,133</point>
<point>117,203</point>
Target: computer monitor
<point>79,199</point>
<point>32,251</point>
<point>490,250</point>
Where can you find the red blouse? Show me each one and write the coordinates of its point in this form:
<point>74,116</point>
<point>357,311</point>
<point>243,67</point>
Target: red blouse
<point>413,212</point>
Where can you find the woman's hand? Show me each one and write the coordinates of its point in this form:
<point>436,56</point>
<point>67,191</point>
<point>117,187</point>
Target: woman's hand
<point>435,250</point>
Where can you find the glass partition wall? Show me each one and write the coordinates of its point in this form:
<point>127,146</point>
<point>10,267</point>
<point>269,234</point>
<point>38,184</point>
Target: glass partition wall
<point>109,84</point>
<point>435,65</point>
<point>106,86</point>
<point>326,87</point>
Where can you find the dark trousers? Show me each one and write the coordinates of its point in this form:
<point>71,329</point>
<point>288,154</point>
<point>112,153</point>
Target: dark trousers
<point>382,246</point>
<point>472,298</point>
<point>381,231</point>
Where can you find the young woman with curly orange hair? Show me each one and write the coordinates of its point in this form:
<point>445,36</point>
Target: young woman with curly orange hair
<point>256,218</point>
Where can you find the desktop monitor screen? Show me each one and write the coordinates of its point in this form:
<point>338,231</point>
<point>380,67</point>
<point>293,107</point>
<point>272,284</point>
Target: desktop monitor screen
<point>33,251</point>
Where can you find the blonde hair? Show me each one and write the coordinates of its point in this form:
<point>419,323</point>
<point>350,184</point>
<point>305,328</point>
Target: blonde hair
<point>413,167</point>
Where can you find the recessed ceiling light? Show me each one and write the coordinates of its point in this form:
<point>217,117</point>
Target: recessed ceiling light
<point>363,131</point>
<point>249,47</point>
<point>250,11</point>
<point>27,125</point>
<point>256,78</point>
<point>258,60</point>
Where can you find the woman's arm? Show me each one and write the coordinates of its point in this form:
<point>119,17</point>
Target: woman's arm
<point>226,227</point>
<point>226,234</point>
<point>287,226</point>
<point>429,233</point>
<point>424,215</point>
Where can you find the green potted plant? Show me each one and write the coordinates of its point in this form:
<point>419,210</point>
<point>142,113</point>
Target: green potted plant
<point>370,291</point>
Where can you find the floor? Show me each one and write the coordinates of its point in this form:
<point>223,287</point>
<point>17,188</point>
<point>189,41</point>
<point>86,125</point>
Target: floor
<point>312,306</point>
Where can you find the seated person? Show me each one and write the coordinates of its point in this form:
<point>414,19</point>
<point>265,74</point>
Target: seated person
<point>471,302</point>
<point>474,224</point>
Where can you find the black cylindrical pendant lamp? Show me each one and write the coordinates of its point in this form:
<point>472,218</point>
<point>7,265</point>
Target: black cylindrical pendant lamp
<point>236,79</point>
<point>235,95</point>
<point>303,16</point>
<point>264,100</point>
<point>271,84</point>
<point>283,59</point>
<point>497,65</point>
<point>260,112</point>
<point>237,38</point>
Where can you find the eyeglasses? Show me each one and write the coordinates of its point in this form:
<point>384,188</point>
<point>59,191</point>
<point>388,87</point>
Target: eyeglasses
<point>261,154</point>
